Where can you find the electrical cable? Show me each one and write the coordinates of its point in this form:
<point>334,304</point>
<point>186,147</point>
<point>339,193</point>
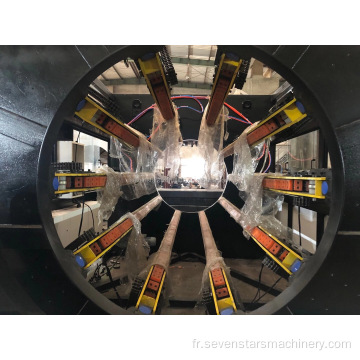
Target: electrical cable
<point>83,307</point>
<point>137,117</point>
<point>259,282</point>
<point>189,97</point>
<point>92,215</point>
<point>237,119</point>
<point>96,275</point>
<point>189,107</point>
<point>238,113</point>
<point>299,225</point>
<point>196,98</point>
<point>141,114</point>
<point>111,279</point>
<point>269,163</point>
<point>77,141</point>
<point>82,215</point>
<point>293,157</point>
<point>131,162</point>
<point>158,127</point>
<point>263,152</point>
<point>269,289</point>
<point>76,147</point>
<point>265,159</point>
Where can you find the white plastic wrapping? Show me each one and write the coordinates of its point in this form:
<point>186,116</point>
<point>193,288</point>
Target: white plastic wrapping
<point>166,136</point>
<point>137,250</point>
<point>210,144</point>
<point>131,159</point>
<point>136,185</point>
<point>267,222</point>
<point>127,185</point>
<point>247,181</point>
<point>127,156</point>
<point>277,229</point>
<point>136,176</point>
<point>252,209</point>
<point>109,195</point>
<point>245,161</point>
<point>259,205</point>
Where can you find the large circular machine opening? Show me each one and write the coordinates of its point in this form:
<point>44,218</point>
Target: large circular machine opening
<point>196,184</point>
<point>255,152</point>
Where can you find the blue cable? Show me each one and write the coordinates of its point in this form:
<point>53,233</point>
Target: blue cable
<point>189,107</point>
<point>139,115</point>
<point>193,97</point>
<point>269,162</point>
<point>241,120</point>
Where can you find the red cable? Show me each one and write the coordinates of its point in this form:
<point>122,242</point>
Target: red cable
<point>237,112</point>
<point>131,162</point>
<point>263,152</point>
<point>154,131</point>
<point>293,157</point>
<point>188,97</point>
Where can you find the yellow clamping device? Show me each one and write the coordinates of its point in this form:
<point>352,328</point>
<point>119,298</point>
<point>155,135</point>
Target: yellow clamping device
<point>96,248</point>
<point>152,70</point>
<point>70,182</point>
<point>283,255</point>
<point>224,80</point>
<point>95,115</point>
<point>222,295</point>
<point>286,116</point>
<point>314,187</point>
<point>150,293</point>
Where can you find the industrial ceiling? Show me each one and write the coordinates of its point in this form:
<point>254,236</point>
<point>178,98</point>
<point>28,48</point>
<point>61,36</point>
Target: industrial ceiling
<point>194,65</point>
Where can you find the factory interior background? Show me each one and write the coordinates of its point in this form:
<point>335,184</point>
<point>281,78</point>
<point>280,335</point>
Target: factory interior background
<point>178,183</point>
<point>174,180</point>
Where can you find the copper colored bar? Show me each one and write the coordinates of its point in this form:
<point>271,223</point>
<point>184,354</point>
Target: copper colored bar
<point>144,210</point>
<point>163,255</point>
<point>211,251</point>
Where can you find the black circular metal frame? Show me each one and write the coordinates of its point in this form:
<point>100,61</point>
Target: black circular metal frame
<point>40,86</point>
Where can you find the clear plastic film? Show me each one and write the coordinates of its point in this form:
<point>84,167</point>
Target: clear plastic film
<point>127,185</point>
<point>132,159</point>
<point>166,136</point>
<point>109,195</point>
<point>127,156</point>
<point>266,220</point>
<point>137,250</point>
<point>271,205</point>
<point>261,206</point>
<point>272,202</point>
<point>247,181</point>
<point>136,185</point>
<point>252,209</point>
<point>276,228</point>
<point>245,162</point>
<point>210,144</point>
<point>136,176</point>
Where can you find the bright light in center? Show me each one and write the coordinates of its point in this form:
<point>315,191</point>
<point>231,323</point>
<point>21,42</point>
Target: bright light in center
<point>192,164</point>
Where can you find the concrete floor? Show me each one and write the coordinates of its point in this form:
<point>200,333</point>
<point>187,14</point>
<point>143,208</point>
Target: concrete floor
<point>183,284</point>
